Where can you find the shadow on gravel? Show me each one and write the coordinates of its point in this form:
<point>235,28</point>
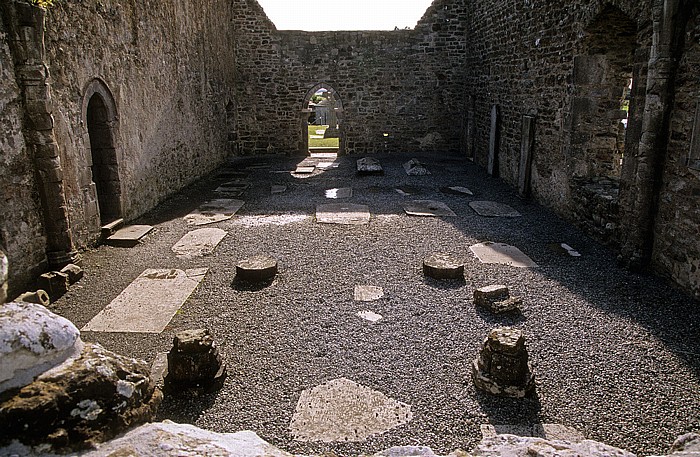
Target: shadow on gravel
<point>510,319</point>
<point>444,284</point>
<point>248,286</point>
<point>510,411</point>
<point>185,409</point>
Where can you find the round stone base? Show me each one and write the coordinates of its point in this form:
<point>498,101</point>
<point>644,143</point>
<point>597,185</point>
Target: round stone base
<point>258,268</point>
<point>442,266</point>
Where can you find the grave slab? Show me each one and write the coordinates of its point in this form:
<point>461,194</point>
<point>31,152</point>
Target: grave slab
<point>304,170</point>
<point>198,243</point>
<point>326,165</point>
<point>343,213</point>
<point>369,316</point>
<point>214,211</point>
<point>369,166</point>
<point>278,189</point>
<point>368,293</point>
<point>456,190</point>
<point>427,208</point>
<point>342,410</point>
<point>503,254</point>
<point>408,190</point>
<point>129,236</point>
<point>415,168</point>
<point>493,209</point>
<point>149,303</point>
<point>342,192</point>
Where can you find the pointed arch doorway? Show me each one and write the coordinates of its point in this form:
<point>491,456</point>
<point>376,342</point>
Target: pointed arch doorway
<point>322,121</point>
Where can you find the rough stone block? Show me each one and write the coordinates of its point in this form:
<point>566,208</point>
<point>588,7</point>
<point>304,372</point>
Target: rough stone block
<point>443,266</point>
<point>194,361</point>
<point>502,367</point>
<point>496,298</point>
<point>74,272</point>
<point>40,297</point>
<point>55,283</point>
<point>258,268</point>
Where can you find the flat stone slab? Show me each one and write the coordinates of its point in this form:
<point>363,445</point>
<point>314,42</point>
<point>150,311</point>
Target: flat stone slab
<point>343,213</point>
<point>369,316</point>
<point>443,266</point>
<point>456,190</point>
<point>368,293</point>
<point>415,168</point>
<point>257,268</point>
<point>408,190</point>
<point>342,192</point>
<point>198,243</point>
<point>324,155</point>
<point>546,431</point>
<point>304,170</point>
<point>129,236</point>
<point>342,410</point>
<point>493,209</point>
<point>278,189</point>
<point>149,303</point>
<point>268,220</point>
<point>214,211</point>
<point>427,208</point>
<point>369,166</point>
<point>503,254</point>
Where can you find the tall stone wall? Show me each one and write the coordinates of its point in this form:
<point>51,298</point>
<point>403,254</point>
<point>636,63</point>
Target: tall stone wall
<point>168,67</point>
<point>21,228</point>
<point>400,90</point>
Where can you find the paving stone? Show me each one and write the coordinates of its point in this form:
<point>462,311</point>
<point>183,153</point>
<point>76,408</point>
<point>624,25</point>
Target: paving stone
<point>149,303</point>
<point>415,168</point>
<point>369,166</point>
<point>304,170</point>
<point>257,268</point>
<point>496,298</point>
<point>368,293</point>
<point>278,189</point>
<point>501,253</point>
<point>326,165</point>
<point>546,431</point>
<point>129,236</point>
<point>456,190</point>
<point>274,219</point>
<point>443,266</point>
<point>342,410</point>
<point>493,209</point>
<point>369,316</point>
<point>214,211</point>
<point>198,243</point>
<point>343,213</point>
<point>236,186</point>
<point>427,208</point>
<point>343,192</point>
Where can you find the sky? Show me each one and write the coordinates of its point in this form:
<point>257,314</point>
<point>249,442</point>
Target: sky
<point>326,15</point>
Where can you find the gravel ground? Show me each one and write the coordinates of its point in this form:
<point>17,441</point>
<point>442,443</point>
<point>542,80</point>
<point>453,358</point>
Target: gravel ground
<point>616,355</point>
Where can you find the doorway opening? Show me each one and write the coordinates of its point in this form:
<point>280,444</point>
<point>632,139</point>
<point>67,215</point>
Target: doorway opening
<point>322,122</point>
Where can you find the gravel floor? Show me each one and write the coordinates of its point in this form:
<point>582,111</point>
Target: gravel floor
<point>616,355</point>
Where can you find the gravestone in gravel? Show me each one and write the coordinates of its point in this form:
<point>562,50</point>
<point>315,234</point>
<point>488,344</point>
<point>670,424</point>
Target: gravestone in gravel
<point>129,236</point>
<point>369,316</point>
<point>493,209</point>
<point>343,213</point>
<point>194,362</point>
<point>149,303</point>
<point>258,268</point>
<point>342,410</point>
<point>304,170</point>
<point>443,266</point>
<point>276,189</point>
<point>496,298</point>
<point>502,367</point>
<point>415,168</point>
<point>327,165</point>
<point>198,243</point>
<point>4,273</point>
<point>501,253</point>
<point>456,190</point>
<point>367,293</point>
<point>369,166</point>
<point>342,192</point>
<point>429,208</point>
<point>214,211</point>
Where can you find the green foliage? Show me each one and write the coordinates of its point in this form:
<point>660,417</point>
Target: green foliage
<point>321,142</point>
<point>42,3</point>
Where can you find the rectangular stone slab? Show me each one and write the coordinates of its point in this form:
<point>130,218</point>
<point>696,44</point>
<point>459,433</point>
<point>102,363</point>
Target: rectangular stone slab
<point>304,170</point>
<point>503,254</point>
<point>343,213</point>
<point>129,236</point>
<point>342,192</point>
<point>493,209</point>
<point>367,293</point>
<point>369,166</point>
<point>214,211</point>
<point>198,243</point>
<point>149,303</point>
<point>427,208</point>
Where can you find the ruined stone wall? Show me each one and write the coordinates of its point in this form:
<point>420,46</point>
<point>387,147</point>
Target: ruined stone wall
<point>168,66</point>
<point>21,228</point>
<point>401,91</point>
<point>677,231</point>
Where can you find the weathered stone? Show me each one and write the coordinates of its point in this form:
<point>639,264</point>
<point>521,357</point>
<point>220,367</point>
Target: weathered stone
<point>427,208</point>
<point>129,236</point>
<point>493,209</point>
<point>496,298</point>
<point>519,446</point>
<point>443,266</point>
<point>277,189</point>
<point>194,362</point>
<point>343,192</point>
<point>367,293</point>
<point>86,400</point>
<point>74,272</point>
<point>502,367</point>
<point>4,273</point>
<point>369,166</point>
<point>55,283</point>
<point>456,190</point>
<point>261,267</point>
<point>33,340</point>
<point>546,431</point>
<point>687,445</point>
<point>501,253</point>
<point>415,168</point>
<point>369,316</point>
<point>213,211</point>
<point>343,213</point>
<point>110,229</point>
<point>39,297</point>
<point>198,243</point>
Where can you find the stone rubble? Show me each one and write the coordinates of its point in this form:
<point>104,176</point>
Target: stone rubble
<point>194,362</point>
<point>496,298</point>
<point>502,367</point>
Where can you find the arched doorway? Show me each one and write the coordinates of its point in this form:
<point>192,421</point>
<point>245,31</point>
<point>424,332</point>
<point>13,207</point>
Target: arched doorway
<point>100,117</point>
<point>322,121</point>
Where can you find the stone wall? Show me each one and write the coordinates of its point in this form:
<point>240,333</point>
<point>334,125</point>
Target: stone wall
<point>400,90</point>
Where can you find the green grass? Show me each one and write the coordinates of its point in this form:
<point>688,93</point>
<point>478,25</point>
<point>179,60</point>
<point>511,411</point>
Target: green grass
<point>321,142</point>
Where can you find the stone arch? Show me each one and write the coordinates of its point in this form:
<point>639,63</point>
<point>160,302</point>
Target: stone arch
<point>101,121</point>
<point>306,113</point>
